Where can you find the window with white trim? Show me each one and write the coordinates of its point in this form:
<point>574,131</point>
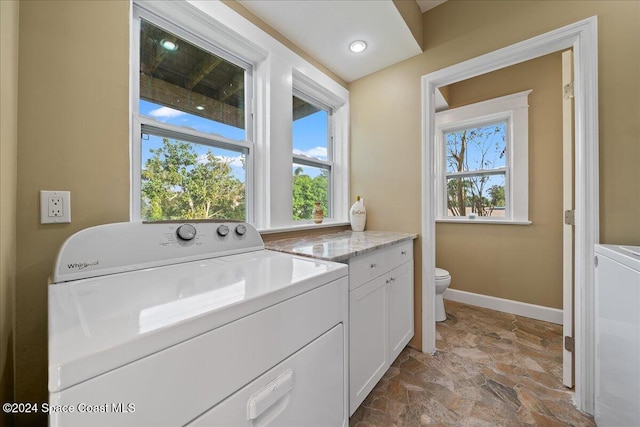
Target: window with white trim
<point>210,100</point>
<point>312,156</point>
<point>482,161</point>
<point>195,130</point>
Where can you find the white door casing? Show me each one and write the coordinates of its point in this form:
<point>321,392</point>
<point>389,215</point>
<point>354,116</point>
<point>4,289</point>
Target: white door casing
<point>582,38</point>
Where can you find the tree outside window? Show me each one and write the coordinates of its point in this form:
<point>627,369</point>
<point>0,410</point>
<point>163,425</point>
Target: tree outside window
<point>312,159</point>
<point>181,180</point>
<point>476,170</point>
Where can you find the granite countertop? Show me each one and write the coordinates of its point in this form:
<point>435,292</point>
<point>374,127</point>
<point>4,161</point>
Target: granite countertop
<point>338,246</point>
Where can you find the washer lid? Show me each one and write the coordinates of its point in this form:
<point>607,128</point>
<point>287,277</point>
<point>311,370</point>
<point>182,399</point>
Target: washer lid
<point>441,273</point>
<point>101,323</point>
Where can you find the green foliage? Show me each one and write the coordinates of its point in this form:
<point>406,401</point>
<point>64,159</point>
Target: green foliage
<point>306,191</point>
<point>474,149</point>
<point>179,184</point>
<point>496,193</point>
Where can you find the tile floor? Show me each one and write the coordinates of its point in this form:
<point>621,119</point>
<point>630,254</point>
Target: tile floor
<point>491,369</point>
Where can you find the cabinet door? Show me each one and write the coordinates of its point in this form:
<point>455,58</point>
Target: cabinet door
<point>400,308</point>
<point>368,339</point>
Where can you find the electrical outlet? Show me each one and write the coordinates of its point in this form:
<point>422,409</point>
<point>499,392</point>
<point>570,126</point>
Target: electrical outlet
<point>55,207</point>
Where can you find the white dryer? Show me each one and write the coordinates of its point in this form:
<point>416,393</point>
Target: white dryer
<point>194,324</point>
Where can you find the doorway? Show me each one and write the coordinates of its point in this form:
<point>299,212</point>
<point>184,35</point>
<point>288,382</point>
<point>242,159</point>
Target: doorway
<point>582,37</point>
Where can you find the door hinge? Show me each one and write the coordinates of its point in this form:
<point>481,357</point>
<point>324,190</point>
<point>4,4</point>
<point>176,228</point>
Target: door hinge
<point>570,217</point>
<point>568,91</point>
<point>569,344</point>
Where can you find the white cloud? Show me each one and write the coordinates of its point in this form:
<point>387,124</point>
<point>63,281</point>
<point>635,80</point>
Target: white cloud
<point>232,161</point>
<point>314,153</point>
<point>165,112</point>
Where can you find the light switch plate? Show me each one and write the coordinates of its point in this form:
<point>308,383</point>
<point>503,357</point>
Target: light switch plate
<point>55,207</point>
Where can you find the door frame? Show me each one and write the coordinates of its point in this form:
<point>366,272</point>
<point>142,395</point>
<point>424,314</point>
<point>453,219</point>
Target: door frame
<point>582,37</point>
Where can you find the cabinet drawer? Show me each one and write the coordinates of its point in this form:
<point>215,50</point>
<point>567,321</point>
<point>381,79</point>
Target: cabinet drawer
<point>400,253</point>
<point>367,267</point>
<point>374,264</point>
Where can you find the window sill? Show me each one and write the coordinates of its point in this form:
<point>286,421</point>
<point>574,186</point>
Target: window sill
<point>483,221</point>
<point>303,226</point>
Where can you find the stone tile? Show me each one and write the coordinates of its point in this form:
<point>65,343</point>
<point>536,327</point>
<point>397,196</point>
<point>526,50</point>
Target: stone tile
<point>492,374</point>
<point>473,354</point>
<point>490,369</point>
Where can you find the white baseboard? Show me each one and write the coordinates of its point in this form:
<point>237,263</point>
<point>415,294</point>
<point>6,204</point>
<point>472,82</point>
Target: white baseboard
<point>546,314</point>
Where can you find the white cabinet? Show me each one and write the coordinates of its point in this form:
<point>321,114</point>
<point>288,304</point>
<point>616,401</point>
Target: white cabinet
<point>400,292</point>
<point>380,315</point>
<point>368,339</point>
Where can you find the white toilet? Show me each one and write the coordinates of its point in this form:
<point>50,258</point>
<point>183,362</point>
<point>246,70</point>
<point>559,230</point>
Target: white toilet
<point>443,279</point>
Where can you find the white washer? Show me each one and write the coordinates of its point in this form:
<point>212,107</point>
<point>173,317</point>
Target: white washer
<point>194,324</point>
<point>617,335</point>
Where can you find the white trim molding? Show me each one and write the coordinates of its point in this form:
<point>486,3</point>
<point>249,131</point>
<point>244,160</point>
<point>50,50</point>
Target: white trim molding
<point>512,109</point>
<point>582,38</point>
<point>538,312</point>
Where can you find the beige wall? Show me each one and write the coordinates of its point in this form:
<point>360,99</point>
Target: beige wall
<point>74,135</point>
<point>410,12</point>
<point>73,130</point>
<point>386,117</point>
<point>522,263</point>
<point>9,11</point>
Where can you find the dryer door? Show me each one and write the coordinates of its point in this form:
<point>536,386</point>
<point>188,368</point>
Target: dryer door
<point>306,389</point>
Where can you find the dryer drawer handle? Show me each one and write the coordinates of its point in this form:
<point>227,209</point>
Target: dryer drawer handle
<point>269,394</point>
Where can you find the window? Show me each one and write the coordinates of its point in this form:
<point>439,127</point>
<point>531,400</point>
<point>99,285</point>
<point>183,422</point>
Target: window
<point>183,179</point>
<point>212,135</point>
<point>312,151</point>
<point>482,152</point>
<point>194,129</point>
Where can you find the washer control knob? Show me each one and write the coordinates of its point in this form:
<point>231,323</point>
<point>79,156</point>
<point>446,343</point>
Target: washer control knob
<point>223,230</point>
<point>241,229</point>
<point>186,232</point>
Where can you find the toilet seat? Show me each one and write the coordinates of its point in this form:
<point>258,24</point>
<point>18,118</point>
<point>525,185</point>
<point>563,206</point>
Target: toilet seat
<point>441,273</point>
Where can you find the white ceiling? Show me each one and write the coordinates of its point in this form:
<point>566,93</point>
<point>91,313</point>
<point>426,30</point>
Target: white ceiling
<point>325,28</point>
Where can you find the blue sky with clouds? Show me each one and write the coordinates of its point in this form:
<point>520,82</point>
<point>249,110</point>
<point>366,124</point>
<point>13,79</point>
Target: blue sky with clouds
<point>180,118</point>
<point>309,135</point>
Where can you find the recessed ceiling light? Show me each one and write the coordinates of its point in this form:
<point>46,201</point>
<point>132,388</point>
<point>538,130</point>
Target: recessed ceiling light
<point>169,45</point>
<point>357,46</point>
<point>199,107</point>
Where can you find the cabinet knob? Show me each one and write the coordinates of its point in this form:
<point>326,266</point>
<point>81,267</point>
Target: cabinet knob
<point>374,265</point>
<point>403,252</point>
